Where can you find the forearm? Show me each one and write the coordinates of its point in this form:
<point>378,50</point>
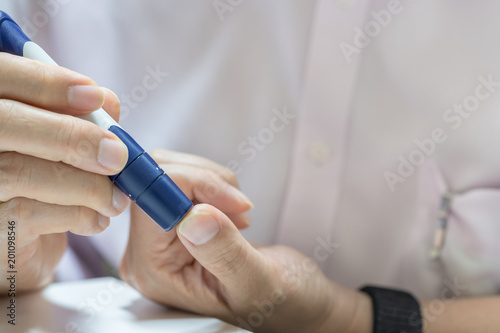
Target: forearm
<point>462,315</point>
<point>439,316</point>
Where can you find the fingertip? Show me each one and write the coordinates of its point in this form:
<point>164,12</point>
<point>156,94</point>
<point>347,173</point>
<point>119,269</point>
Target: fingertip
<point>220,194</point>
<point>90,223</point>
<point>245,219</point>
<point>112,153</point>
<point>103,222</point>
<point>203,208</point>
<point>111,103</point>
<point>200,225</point>
<point>85,98</point>
<point>120,200</point>
<point>157,155</point>
<point>241,221</point>
<point>243,201</point>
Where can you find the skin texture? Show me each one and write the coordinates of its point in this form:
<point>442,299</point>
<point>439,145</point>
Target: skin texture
<point>53,179</point>
<point>44,147</point>
<point>205,266</point>
<point>221,274</point>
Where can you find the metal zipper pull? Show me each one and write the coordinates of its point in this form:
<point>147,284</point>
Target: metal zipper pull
<point>442,225</point>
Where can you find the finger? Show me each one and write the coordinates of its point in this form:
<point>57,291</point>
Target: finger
<point>48,86</point>
<point>34,218</point>
<point>58,183</point>
<point>241,221</point>
<point>57,137</point>
<point>202,185</point>
<point>145,234</point>
<point>155,258</point>
<point>217,245</point>
<point>163,156</point>
<point>147,242</point>
<point>111,104</point>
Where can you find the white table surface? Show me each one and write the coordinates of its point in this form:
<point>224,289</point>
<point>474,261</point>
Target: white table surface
<point>104,305</point>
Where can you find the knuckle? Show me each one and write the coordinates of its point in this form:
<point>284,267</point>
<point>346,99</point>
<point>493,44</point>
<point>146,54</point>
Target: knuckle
<point>66,136</point>
<point>93,190</point>
<point>227,175</point>
<point>15,209</point>
<point>231,260</point>
<point>40,80</point>
<point>13,176</point>
<point>77,140</point>
<point>21,209</point>
<point>208,175</point>
<point>8,110</point>
<point>211,185</point>
<point>85,222</point>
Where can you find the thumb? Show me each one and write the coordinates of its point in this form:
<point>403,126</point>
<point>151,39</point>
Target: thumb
<point>214,241</point>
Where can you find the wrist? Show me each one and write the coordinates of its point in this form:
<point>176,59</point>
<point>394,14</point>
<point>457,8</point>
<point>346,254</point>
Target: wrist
<point>351,312</point>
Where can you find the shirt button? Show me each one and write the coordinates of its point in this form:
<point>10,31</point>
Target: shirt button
<point>319,152</point>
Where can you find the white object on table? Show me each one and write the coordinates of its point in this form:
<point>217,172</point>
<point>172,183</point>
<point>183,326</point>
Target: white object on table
<point>101,305</point>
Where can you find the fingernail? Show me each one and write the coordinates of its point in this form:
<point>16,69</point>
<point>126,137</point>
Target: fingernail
<point>85,97</point>
<point>113,154</point>
<point>199,228</point>
<point>120,199</point>
<point>103,221</point>
<point>241,197</point>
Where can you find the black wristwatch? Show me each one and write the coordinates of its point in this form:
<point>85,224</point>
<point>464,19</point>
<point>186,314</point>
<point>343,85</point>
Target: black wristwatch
<point>394,311</point>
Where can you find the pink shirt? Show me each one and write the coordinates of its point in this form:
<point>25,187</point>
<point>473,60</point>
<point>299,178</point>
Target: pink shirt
<point>348,121</point>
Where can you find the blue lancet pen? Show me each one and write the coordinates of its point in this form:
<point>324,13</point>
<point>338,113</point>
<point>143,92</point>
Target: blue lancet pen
<point>142,179</point>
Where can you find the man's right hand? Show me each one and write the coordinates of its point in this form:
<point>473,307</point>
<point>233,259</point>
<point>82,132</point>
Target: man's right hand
<point>53,166</point>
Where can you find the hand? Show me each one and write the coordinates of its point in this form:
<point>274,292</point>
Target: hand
<point>53,166</point>
<point>206,266</point>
